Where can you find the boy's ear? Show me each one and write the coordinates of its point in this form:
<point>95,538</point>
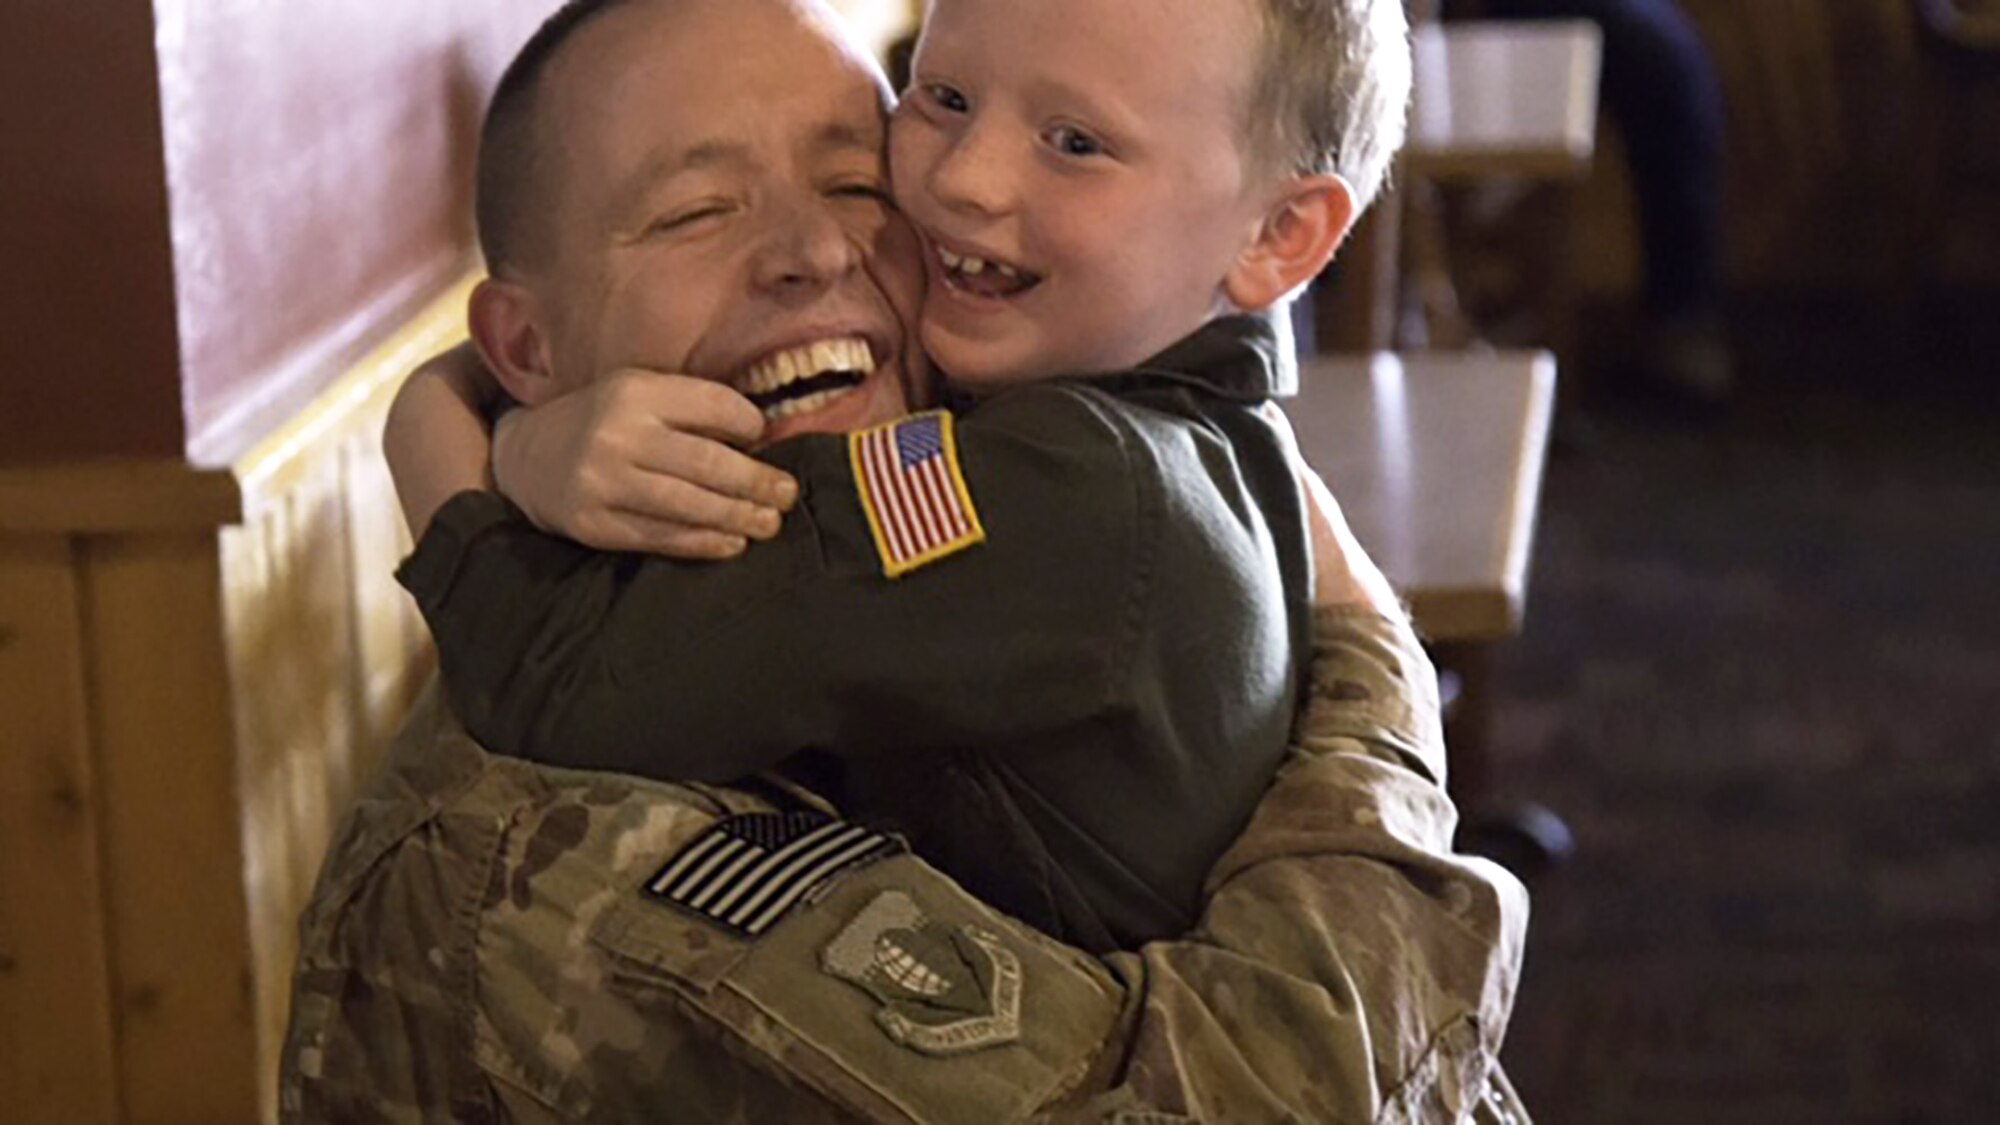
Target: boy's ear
<point>512,336</point>
<point>1293,243</point>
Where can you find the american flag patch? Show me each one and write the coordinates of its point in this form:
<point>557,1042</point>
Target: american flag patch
<point>918,507</point>
<point>745,872</point>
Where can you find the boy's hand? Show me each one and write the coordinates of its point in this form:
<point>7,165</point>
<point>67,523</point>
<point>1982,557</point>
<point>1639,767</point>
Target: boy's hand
<point>641,461</point>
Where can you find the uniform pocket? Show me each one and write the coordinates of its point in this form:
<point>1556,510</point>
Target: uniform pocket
<point>892,991</point>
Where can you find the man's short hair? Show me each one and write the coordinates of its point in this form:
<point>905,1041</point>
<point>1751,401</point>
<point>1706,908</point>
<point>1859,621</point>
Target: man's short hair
<point>512,190</point>
<point>1332,89</point>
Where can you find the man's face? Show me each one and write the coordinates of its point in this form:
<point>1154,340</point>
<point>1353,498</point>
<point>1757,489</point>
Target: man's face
<point>1075,170</point>
<point>719,209</point>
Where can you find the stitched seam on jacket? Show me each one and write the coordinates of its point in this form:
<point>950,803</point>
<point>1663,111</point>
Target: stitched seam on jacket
<point>1146,505</point>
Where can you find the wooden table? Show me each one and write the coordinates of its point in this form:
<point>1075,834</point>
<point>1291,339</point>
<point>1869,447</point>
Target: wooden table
<point>1436,459</point>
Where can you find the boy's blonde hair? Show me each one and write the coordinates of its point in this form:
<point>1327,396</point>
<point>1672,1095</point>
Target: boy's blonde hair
<point>1332,90</point>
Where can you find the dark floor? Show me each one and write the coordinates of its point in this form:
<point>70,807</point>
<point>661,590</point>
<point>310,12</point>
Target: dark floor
<point>1761,680</point>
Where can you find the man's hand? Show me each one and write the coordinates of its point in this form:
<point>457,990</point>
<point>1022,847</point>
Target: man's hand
<point>641,461</point>
<point>1343,574</point>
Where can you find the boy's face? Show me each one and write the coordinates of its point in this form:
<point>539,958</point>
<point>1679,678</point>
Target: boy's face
<point>722,211</point>
<point>1077,172</point>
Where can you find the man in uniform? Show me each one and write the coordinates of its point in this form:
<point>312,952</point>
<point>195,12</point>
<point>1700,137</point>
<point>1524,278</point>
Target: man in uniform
<point>497,940</point>
<point>491,942</point>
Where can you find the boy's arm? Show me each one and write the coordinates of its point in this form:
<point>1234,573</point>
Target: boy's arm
<point>436,439</point>
<point>644,461</point>
<point>688,671</point>
<point>638,461</point>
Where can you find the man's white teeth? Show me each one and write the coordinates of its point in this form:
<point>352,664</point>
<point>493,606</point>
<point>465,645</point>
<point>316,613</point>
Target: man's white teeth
<point>805,404</point>
<point>803,362</point>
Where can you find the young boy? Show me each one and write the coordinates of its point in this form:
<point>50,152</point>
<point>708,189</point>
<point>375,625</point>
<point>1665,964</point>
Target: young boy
<point>1100,565</point>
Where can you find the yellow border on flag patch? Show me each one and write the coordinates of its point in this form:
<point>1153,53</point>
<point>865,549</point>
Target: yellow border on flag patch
<point>891,567</point>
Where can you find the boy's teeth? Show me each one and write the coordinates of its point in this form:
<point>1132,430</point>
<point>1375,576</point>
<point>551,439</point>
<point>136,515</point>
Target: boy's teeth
<point>965,265</point>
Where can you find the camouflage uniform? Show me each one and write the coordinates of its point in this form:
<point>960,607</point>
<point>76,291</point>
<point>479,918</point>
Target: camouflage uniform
<point>482,947</point>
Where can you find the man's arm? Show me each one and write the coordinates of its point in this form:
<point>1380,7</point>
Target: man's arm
<point>562,654</point>
<point>1348,966</point>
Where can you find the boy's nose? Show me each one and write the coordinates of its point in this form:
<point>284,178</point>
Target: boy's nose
<point>972,173</point>
<point>804,246</point>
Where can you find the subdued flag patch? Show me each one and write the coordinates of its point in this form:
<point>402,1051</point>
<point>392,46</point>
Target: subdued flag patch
<point>746,872</point>
<point>913,491</point>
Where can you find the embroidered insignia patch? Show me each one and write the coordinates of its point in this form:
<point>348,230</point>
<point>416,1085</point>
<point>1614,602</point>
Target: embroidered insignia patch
<point>942,990</point>
<point>746,872</point>
<point>913,491</point>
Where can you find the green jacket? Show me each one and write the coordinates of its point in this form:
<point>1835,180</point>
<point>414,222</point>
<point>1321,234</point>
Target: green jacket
<point>482,946</point>
<point>1073,717</point>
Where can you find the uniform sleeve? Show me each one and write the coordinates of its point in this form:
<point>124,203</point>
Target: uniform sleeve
<point>1348,966</point>
<point>710,671</point>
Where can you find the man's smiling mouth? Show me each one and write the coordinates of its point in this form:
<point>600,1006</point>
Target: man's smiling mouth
<point>982,277</point>
<point>803,379</point>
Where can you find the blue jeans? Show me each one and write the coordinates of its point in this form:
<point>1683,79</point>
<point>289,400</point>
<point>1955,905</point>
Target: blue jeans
<point>1661,89</point>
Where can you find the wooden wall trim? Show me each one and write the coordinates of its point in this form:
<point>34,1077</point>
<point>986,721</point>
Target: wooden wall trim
<point>161,720</point>
<point>197,669</point>
<point>96,499</point>
<point>277,463</point>
<point>324,650</point>
<point>57,1054</point>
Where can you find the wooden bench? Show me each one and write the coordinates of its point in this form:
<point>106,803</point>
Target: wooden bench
<point>1437,461</point>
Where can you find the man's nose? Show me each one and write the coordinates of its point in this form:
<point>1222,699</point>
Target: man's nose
<point>974,172</point>
<point>806,246</point>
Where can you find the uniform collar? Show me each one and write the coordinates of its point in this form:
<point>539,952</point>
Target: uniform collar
<point>1247,356</point>
<point>1244,356</point>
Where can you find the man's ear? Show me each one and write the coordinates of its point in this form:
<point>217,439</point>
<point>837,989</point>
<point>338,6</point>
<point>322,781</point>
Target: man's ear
<point>1294,242</point>
<point>512,336</point>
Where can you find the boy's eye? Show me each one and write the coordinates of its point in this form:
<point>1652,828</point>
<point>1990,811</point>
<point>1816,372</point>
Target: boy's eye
<point>1072,141</point>
<point>946,98</point>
